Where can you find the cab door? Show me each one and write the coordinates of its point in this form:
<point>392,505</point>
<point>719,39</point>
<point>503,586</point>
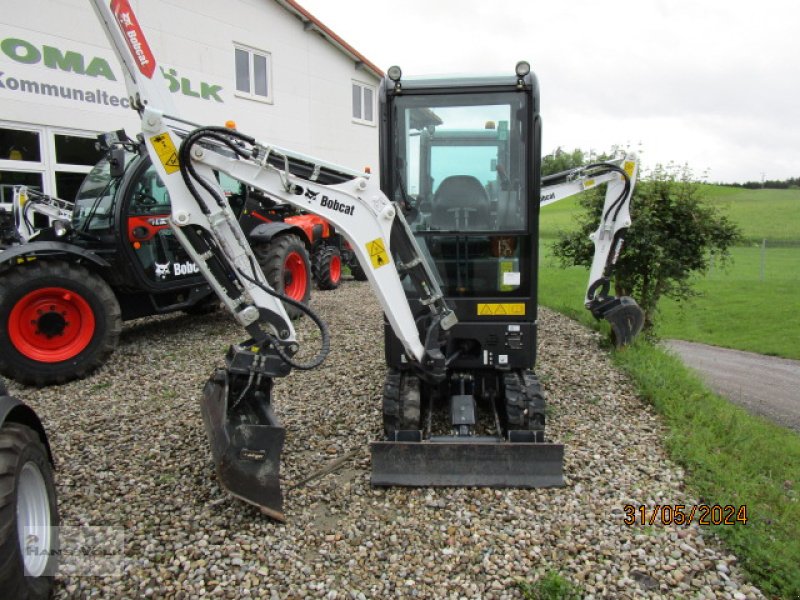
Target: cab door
<point>160,262</point>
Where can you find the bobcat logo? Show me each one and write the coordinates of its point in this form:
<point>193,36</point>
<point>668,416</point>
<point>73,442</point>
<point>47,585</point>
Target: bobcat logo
<point>162,270</point>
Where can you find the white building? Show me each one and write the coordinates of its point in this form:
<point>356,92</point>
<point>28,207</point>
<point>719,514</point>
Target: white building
<point>269,65</point>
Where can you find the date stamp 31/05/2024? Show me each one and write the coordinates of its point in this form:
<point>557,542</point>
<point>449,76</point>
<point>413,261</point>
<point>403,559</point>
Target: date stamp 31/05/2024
<point>680,514</point>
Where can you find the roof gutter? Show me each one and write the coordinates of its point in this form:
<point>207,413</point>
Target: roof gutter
<point>310,23</point>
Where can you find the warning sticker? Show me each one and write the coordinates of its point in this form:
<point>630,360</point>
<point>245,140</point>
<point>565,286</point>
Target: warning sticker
<point>509,276</point>
<point>166,152</point>
<point>504,309</point>
<point>377,253</point>
<point>628,167</point>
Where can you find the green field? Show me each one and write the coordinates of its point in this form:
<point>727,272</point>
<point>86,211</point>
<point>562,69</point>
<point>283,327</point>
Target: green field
<point>736,308</point>
<point>770,214</point>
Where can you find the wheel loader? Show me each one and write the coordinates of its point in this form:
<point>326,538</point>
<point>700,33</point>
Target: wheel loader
<point>448,240</point>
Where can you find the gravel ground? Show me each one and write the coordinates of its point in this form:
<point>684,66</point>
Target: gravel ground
<point>131,453</point>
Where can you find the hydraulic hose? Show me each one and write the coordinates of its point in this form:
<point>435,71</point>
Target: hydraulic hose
<point>189,173</point>
<point>321,325</point>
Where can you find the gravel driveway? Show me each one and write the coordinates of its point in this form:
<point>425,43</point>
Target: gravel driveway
<point>764,385</point>
<point>131,453</point>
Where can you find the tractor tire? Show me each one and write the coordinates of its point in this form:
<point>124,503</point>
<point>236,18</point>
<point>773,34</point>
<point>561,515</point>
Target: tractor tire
<point>29,512</point>
<point>401,402</point>
<point>58,322</point>
<point>285,263</point>
<point>328,267</point>
<point>524,402</point>
<point>357,272</point>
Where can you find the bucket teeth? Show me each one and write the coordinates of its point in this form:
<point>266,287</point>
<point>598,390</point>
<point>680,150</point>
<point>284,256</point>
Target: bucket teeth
<point>246,440</point>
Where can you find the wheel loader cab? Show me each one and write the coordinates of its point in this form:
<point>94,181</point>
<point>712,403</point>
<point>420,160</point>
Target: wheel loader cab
<point>463,157</point>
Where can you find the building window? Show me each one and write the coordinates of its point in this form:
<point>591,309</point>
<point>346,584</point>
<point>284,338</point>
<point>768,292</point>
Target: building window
<point>20,161</point>
<point>53,161</point>
<point>253,74</point>
<point>74,156</point>
<point>363,103</point>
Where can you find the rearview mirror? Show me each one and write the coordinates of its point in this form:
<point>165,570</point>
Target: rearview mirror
<point>116,161</point>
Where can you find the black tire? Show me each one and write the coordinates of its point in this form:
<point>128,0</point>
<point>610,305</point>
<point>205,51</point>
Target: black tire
<point>21,448</point>
<point>273,256</point>
<point>524,402</point>
<point>24,355</point>
<point>401,402</point>
<point>328,267</point>
<point>356,271</point>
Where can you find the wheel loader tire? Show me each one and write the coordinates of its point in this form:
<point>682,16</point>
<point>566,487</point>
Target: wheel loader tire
<point>58,322</point>
<point>357,272</point>
<point>401,402</point>
<point>27,507</point>
<point>328,267</point>
<point>285,263</point>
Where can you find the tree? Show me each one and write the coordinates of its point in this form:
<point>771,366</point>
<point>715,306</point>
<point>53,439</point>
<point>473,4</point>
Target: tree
<point>673,236</point>
<point>561,160</point>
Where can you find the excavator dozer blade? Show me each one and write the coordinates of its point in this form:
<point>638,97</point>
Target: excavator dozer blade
<point>246,443</point>
<point>476,463</point>
<point>626,320</point>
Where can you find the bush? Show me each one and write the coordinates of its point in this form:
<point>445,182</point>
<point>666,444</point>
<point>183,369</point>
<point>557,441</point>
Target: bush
<point>673,236</point>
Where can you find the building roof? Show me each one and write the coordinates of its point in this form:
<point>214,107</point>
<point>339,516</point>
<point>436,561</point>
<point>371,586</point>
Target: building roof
<point>312,23</point>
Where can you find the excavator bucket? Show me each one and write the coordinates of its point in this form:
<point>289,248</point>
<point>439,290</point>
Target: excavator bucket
<point>246,440</point>
<point>623,314</point>
<point>473,462</point>
<point>626,320</point>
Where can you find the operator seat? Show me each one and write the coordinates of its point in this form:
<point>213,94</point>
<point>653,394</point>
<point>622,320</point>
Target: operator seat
<point>460,204</point>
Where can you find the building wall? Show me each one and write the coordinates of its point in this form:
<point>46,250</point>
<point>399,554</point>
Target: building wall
<point>59,43</point>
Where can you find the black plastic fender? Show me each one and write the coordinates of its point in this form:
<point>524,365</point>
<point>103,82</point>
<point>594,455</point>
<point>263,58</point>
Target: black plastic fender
<point>16,411</point>
<point>264,232</point>
<point>18,254</point>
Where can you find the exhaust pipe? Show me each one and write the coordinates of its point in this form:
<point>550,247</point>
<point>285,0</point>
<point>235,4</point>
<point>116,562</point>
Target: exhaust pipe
<point>246,438</point>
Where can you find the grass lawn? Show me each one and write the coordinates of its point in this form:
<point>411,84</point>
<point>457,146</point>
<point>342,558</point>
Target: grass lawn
<point>770,214</point>
<point>736,309</point>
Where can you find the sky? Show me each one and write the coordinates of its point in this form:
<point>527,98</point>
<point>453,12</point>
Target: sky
<point>711,84</point>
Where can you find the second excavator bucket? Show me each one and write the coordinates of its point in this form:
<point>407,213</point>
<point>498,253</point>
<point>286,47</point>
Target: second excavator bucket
<point>625,317</point>
<point>246,440</point>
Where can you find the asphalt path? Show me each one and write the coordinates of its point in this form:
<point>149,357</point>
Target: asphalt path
<point>764,385</point>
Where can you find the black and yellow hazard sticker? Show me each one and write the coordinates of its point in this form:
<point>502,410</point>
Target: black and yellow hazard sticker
<point>377,253</point>
<point>501,309</point>
<point>628,167</point>
<point>166,151</point>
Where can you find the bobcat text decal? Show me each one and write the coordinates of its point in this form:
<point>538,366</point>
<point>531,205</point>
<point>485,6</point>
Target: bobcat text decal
<point>134,37</point>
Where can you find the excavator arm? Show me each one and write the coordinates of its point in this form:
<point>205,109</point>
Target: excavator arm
<point>622,313</point>
<point>246,435</point>
<point>28,202</point>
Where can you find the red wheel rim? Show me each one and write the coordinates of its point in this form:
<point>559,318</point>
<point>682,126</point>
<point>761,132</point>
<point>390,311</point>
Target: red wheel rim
<point>295,277</point>
<point>336,268</point>
<point>51,325</point>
